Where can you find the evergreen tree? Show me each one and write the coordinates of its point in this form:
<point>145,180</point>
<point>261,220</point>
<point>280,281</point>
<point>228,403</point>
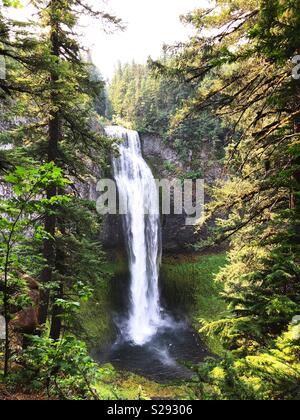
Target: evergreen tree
<point>50,94</point>
<point>49,121</point>
<point>239,63</point>
<point>148,102</point>
<point>62,131</point>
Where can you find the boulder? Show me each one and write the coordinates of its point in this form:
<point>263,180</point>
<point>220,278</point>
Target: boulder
<point>26,320</point>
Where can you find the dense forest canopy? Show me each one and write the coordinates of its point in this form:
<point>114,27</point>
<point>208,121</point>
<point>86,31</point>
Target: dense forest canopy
<point>231,84</point>
<point>148,102</point>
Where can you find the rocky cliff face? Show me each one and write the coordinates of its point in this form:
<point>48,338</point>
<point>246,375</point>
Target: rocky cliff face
<point>165,163</point>
<point>155,148</point>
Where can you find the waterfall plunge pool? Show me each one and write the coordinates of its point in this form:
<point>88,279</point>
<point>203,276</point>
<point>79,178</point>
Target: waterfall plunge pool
<point>160,358</point>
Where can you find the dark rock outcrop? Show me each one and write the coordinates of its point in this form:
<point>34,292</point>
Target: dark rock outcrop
<point>165,163</point>
<point>26,321</point>
<point>154,148</point>
<point>111,235</point>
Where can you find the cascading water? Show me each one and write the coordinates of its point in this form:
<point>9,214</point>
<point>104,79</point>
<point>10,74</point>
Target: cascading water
<point>151,339</point>
<point>141,223</point>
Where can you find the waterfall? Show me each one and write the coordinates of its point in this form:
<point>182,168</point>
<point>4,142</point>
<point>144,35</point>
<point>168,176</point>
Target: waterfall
<point>141,225</point>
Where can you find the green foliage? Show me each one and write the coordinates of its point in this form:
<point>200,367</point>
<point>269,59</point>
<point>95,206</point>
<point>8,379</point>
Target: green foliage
<point>191,288</point>
<point>249,85</point>
<point>19,214</point>
<point>170,166</point>
<point>63,368</point>
<point>270,375</point>
<point>26,186</point>
<point>94,321</point>
<point>231,80</point>
<point>11,3</point>
<point>129,386</point>
<point>49,102</point>
<point>100,97</point>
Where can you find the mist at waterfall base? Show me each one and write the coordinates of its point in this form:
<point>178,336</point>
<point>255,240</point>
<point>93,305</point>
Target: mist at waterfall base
<point>150,340</point>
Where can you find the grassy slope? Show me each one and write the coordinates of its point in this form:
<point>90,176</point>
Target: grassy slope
<point>94,321</point>
<point>194,281</point>
<point>128,386</point>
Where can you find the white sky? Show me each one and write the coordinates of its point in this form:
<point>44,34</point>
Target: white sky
<point>150,24</point>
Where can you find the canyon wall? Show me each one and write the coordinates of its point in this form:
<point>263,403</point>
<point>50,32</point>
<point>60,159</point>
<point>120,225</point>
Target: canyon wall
<point>166,164</point>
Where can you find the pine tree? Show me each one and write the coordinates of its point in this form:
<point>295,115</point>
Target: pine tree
<point>239,63</point>
<point>68,94</point>
<point>53,97</point>
<point>256,92</point>
<point>148,101</point>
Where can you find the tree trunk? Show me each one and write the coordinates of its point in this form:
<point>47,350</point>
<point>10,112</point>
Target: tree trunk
<point>54,135</point>
<point>7,319</point>
<point>56,323</point>
<point>296,193</point>
<point>49,256</point>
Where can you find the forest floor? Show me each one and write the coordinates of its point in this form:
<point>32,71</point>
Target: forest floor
<point>14,392</point>
<point>7,394</point>
<point>126,387</point>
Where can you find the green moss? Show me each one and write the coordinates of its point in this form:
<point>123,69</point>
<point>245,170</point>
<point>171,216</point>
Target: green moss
<point>94,322</point>
<point>94,318</point>
<point>135,387</point>
<point>156,165</point>
<point>192,286</point>
<point>116,268</point>
<point>128,386</point>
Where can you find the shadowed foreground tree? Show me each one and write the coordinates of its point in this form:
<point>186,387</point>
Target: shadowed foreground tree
<point>64,111</point>
<point>48,96</point>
